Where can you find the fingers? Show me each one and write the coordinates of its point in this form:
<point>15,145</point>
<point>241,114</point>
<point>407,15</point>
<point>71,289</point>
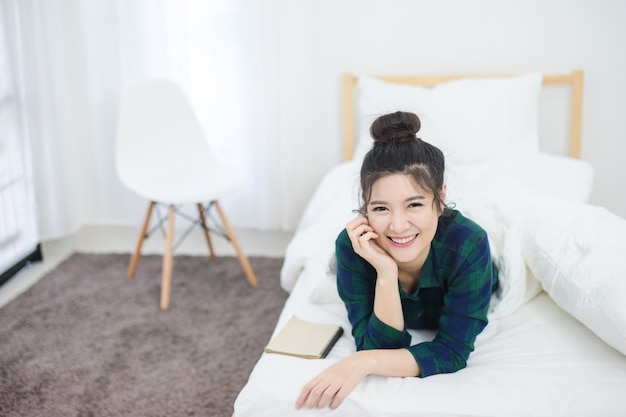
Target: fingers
<point>304,394</point>
<point>339,397</point>
<point>319,395</point>
<point>360,231</point>
<point>333,385</point>
<point>356,223</point>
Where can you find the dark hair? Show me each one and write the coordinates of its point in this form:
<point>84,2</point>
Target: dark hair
<point>397,150</point>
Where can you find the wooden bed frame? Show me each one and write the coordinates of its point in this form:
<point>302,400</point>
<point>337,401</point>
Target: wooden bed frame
<point>574,79</point>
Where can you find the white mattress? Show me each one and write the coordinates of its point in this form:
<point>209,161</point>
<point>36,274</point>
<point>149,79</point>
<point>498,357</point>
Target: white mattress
<point>539,361</point>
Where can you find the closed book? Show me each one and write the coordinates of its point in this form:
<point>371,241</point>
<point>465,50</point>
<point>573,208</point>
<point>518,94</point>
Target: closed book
<point>305,339</point>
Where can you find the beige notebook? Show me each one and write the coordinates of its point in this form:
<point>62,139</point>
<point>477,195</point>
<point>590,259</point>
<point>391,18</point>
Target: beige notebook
<point>305,339</point>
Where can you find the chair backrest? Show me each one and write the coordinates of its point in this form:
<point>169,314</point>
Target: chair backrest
<point>158,133</point>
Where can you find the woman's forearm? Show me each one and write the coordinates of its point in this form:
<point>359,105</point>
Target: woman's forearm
<point>387,303</point>
<point>388,362</point>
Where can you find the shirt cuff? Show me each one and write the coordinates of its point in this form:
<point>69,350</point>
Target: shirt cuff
<point>425,360</point>
<point>382,336</point>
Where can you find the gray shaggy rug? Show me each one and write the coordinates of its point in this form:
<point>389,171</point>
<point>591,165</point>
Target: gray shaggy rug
<point>86,341</point>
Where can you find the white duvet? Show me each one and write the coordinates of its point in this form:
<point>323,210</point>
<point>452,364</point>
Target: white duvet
<point>544,353</point>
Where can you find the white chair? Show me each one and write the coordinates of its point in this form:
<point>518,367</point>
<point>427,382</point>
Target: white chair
<point>163,156</point>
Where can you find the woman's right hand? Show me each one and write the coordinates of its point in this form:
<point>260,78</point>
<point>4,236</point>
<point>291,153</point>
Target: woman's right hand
<point>364,243</point>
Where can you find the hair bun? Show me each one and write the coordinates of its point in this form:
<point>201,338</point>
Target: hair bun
<point>393,127</point>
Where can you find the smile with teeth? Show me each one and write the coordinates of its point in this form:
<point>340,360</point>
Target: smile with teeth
<point>402,240</point>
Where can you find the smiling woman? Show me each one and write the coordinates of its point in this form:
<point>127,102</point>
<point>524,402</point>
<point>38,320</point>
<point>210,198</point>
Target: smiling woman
<point>407,262</point>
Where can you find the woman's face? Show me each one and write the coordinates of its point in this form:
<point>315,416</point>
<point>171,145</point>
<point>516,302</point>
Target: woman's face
<point>405,219</point>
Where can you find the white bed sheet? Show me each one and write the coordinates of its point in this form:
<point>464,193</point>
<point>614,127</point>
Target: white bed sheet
<point>539,361</point>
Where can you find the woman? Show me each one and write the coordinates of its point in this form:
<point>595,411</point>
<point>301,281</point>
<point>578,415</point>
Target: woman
<point>407,261</point>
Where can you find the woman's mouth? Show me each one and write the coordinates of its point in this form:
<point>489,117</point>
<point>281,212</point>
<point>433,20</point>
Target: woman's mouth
<point>402,241</point>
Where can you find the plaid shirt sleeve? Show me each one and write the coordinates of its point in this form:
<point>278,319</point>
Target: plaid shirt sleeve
<point>465,306</point>
<point>462,262</point>
<point>356,280</point>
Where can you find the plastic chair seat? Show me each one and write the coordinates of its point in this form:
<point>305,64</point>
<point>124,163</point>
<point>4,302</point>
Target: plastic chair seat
<point>187,186</point>
<point>163,156</point>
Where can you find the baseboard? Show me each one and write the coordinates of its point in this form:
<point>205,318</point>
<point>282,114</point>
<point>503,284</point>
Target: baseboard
<point>123,239</point>
<point>34,256</point>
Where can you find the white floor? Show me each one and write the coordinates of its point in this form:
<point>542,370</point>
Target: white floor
<point>124,240</point>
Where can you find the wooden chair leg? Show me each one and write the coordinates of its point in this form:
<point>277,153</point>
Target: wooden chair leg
<point>205,227</point>
<point>134,260</point>
<point>242,258</point>
<point>168,259</point>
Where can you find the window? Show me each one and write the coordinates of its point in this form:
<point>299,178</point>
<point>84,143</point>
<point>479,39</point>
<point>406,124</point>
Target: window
<point>18,228</point>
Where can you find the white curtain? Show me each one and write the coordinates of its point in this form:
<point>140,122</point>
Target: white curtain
<point>80,52</point>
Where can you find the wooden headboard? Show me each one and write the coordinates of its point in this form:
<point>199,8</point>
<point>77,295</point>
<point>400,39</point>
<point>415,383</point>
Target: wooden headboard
<point>574,79</point>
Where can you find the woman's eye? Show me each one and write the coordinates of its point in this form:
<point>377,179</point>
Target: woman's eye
<point>415,205</point>
<point>379,208</point>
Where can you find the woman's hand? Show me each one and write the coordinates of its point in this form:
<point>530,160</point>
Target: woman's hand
<point>363,240</point>
<point>334,384</point>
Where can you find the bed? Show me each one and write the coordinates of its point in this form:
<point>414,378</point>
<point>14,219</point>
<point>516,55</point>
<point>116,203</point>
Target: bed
<point>555,344</point>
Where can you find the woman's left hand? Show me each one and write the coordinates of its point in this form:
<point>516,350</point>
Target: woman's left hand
<point>333,385</point>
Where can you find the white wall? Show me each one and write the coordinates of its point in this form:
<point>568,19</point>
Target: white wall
<point>317,41</point>
<point>321,39</point>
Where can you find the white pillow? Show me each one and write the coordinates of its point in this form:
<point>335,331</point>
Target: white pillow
<point>577,253</point>
<point>560,177</point>
<point>470,119</point>
<point>540,174</point>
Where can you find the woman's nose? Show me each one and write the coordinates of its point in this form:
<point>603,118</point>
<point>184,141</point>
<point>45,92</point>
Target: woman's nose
<point>398,223</point>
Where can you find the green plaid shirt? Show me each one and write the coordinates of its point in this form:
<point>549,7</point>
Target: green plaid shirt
<point>452,296</point>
